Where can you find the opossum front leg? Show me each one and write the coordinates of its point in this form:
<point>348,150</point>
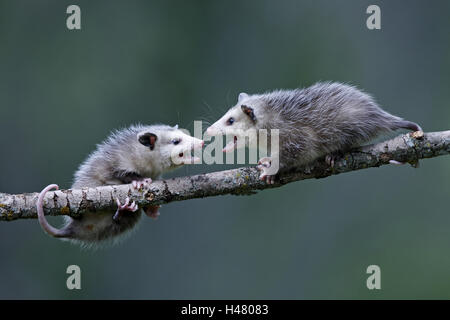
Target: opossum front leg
<point>150,211</point>
<point>141,184</point>
<point>126,207</point>
<point>267,170</point>
<point>137,184</point>
<point>331,158</point>
<point>334,156</point>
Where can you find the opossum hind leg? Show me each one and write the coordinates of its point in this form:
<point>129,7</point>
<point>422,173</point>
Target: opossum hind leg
<point>152,211</point>
<point>126,207</point>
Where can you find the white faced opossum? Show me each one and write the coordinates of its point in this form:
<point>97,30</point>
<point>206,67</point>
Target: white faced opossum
<point>133,155</point>
<point>312,122</point>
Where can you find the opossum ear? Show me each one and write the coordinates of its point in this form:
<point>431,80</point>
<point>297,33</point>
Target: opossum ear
<point>148,139</point>
<point>242,96</point>
<point>176,127</point>
<point>249,111</point>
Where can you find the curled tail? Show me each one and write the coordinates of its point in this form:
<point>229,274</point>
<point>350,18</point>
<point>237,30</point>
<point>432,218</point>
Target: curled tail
<point>57,233</point>
<point>405,124</point>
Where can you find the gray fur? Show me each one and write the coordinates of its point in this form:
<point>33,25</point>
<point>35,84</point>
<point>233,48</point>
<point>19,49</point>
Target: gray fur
<point>336,117</point>
<point>120,159</point>
<point>321,119</point>
<point>117,157</point>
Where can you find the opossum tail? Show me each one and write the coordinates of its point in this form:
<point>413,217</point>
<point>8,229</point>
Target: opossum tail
<point>57,233</point>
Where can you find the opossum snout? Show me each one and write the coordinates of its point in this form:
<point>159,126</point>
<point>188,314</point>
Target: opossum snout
<point>211,131</point>
<point>197,144</point>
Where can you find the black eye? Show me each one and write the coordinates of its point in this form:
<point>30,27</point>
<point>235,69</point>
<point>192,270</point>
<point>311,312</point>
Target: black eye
<point>176,141</point>
<point>230,121</point>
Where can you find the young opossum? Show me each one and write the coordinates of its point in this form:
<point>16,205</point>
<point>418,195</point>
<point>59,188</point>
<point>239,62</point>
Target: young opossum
<point>312,122</point>
<point>133,155</point>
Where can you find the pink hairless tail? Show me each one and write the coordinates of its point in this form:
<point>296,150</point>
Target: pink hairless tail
<point>41,216</point>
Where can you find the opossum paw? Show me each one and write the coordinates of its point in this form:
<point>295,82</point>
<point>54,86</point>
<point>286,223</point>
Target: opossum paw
<point>121,208</point>
<point>152,211</point>
<point>265,162</point>
<point>331,158</point>
<point>141,184</point>
<point>270,179</point>
<point>263,165</point>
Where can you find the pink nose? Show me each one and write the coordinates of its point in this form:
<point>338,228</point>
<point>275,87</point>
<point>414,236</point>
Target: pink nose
<point>203,143</point>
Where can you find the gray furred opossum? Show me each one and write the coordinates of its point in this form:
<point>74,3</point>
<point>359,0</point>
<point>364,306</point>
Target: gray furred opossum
<point>133,155</point>
<point>320,120</point>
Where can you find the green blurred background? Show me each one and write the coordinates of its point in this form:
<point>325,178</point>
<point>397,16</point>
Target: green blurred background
<point>62,91</point>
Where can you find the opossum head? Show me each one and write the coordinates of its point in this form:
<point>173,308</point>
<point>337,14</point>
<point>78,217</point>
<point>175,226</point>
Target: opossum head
<point>167,147</point>
<point>239,121</point>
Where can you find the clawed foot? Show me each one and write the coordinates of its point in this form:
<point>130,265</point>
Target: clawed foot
<point>331,158</point>
<point>141,184</point>
<point>121,208</point>
<point>264,166</point>
<point>152,211</point>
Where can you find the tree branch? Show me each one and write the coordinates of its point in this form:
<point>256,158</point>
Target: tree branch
<point>405,148</point>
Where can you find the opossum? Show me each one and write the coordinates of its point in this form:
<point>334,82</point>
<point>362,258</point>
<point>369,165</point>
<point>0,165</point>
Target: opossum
<point>316,121</point>
<point>133,155</point>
